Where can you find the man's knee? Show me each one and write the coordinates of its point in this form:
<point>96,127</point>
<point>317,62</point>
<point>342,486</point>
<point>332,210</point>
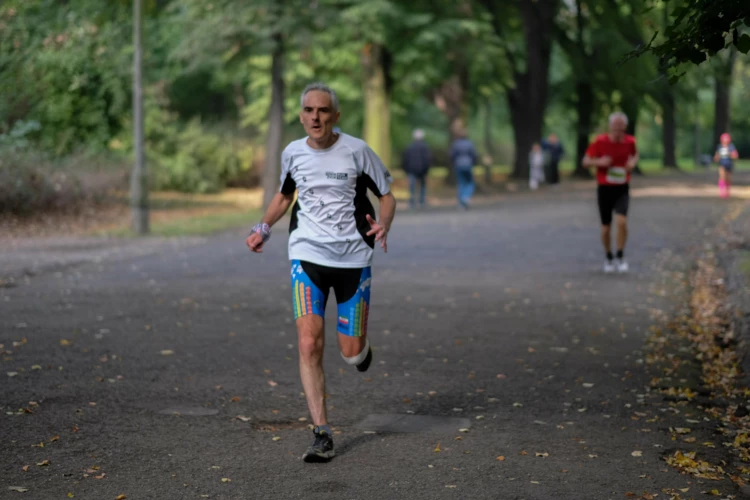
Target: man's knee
<point>606,229</point>
<point>622,222</point>
<point>310,332</point>
<point>310,346</point>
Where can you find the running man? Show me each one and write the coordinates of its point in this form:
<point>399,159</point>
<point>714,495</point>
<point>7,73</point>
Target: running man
<point>615,156</point>
<point>332,235</point>
<point>725,155</point>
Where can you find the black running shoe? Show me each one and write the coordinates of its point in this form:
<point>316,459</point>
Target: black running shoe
<point>364,365</point>
<point>322,448</point>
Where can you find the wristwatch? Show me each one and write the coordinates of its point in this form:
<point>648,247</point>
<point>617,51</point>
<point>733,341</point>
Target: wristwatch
<point>263,229</point>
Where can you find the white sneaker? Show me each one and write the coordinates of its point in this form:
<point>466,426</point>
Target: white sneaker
<point>609,267</point>
<point>622,266</point>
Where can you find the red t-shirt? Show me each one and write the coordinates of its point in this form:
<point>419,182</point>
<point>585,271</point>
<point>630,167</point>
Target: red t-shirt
<point>619,152</point>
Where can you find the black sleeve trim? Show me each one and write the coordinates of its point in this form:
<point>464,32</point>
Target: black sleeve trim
<point>370,184</point>
<point>289,186</point>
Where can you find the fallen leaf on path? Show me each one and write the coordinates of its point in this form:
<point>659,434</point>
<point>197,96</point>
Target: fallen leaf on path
<point>70,494</point>
<point>101,476</point>
<point>276,438</point>
<point>54,438</point>
<point>242,418</point>
<point>43,463</point>
<point>121,497</point>
<point>542,455</point>
<point>437,448</point>
<point>19,489</point>
<point>463,430</point>
<point>235,399</point>
<point>25,468</point>
<point>524,452</point>
<point>226,480</point>
<point>65,342</point>
<point>167,352</point>
<point>637,453</point>
<point>501,458</point>
<point>36,367</point>
<point>588,385</point>
<point>12,374</point>
<point>272,383</point>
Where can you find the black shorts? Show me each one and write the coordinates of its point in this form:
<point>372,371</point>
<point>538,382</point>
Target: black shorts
<point>612,199</point>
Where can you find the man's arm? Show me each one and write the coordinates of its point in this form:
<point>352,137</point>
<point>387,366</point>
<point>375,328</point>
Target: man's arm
<point>387,210</point>
<point>275,211</point>
<point>277,208</point>
<point>381,227</point>
<point>603,162</point>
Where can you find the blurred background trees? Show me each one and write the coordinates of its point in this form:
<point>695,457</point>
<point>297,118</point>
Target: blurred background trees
<point>222,79</point>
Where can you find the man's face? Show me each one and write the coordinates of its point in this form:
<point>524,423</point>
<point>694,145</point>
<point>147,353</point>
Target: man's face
<point>552,139</point>
<point>617,129</point>
<point>317,115</point>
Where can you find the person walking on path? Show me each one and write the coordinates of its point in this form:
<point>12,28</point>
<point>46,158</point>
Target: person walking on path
<point>332,234</point>
<point>536,166</point>
<point>416,163</point>
<point>554,151</point>
<point>464,157</point>
<point>614,155</point>
<point>725,155</point>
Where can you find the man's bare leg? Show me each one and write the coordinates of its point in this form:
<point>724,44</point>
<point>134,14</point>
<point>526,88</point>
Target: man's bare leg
<point>310,331</point>
<point>622,231</point>
<point>351,346</point>
<point>607,239</point>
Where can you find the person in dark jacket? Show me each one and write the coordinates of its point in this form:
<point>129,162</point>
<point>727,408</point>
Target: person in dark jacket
<point>464,157</point>
<point>416,163</point>
<point>554,151</point>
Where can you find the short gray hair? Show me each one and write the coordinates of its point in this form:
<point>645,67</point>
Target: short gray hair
<point>418,134</point>
<point>618,115</point>
<point>323,88</point>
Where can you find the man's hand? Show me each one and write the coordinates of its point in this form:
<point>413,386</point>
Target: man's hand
<point>631,163</point>
<point>380,232</point>
<point>255,243</point>
<point>604,161</point>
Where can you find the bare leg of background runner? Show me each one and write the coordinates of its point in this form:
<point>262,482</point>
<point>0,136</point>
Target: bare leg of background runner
<point>606,239</point>
<point>310,331</point>
<point>622,231</point>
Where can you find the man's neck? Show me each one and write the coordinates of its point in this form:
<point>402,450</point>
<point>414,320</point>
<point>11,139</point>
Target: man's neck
<point>324,143</point>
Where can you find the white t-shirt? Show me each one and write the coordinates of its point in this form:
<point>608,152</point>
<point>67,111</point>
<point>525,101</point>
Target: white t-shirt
<point>328,225</point>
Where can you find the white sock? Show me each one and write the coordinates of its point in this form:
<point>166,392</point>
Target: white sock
<point>355,360</point>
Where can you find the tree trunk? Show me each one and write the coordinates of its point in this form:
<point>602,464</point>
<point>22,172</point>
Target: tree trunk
<point>377,127</point>
<point>450,98</point>
<point>528,100</point>
<point>631,108</point>
<point>668,129</point>
<point>584,108</point>
<point>488,147</point>
<point>276,123</point>
<point>139,177</point>
<point>723,77</point>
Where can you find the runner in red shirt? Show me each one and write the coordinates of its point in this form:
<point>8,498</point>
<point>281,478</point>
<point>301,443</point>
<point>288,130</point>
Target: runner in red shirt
<point>614,156</point>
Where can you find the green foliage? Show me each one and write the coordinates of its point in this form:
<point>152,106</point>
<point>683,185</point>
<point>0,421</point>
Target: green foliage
<point>700,29</point>
<point>186,156</point>
<point>66,71</point>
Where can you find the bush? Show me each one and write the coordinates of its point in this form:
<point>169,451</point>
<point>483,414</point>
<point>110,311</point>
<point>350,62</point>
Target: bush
<point>30,183</point>
<point>197,161</point>
<point>187,157</point>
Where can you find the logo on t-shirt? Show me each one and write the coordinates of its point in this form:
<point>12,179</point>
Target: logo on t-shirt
<point>337,176</point>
